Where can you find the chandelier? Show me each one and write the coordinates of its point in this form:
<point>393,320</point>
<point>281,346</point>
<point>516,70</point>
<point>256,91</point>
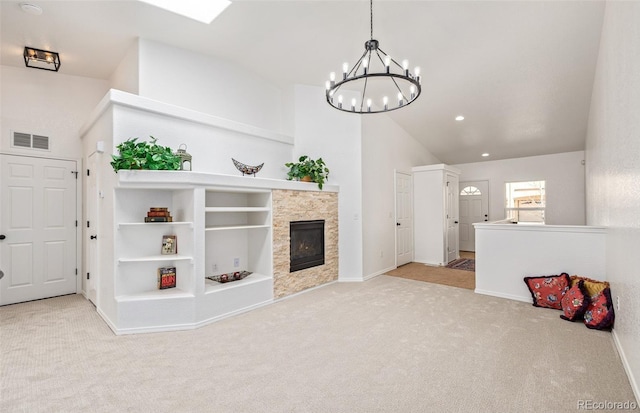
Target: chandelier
<point>381,82</point>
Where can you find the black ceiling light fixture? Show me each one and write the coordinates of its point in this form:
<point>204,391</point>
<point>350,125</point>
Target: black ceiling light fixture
<point>382,83</point>
<point>41,59</point>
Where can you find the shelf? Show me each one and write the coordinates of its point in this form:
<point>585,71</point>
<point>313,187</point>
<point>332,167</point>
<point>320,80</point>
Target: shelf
<point>155,295</point>
<point>156,258</point>
<point>237,209</point>
<point>213,286</point>
<point>145,224</point>
<point>234,227</point>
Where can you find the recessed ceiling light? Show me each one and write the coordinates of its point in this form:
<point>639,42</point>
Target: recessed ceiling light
<point>31,8</point>
<point>485,154</point>
<point>204,11</point>
<point>459,118</point>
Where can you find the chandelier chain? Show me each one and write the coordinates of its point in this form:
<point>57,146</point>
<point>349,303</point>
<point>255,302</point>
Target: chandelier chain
<point>371,14</point>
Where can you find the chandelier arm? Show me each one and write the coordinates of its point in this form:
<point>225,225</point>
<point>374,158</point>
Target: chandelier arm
<point>399,90</point>
<point>364,92</point>
<point>379,57</point>
<point>392,59</point>
<point>355,67</point>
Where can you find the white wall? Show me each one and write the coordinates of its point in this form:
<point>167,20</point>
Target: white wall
<point>211,147</point>
<point>126,76</point>
<point>563,173</point>
<point>505,253</point>
<point>386,147</point>
<point>613,170</point>
<point>321,131</point>
<point>206,84</point>
<point>47,103</point>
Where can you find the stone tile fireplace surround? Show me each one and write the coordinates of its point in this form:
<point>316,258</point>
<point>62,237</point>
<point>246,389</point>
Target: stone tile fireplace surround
<point>289,206</point>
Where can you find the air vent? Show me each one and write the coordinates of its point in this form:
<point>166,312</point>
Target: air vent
<point>22,140</point>
<point>26,140</point>
<point>40,142</point>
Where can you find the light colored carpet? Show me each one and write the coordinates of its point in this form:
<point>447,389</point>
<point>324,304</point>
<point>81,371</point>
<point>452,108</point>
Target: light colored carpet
<point>385,345</point>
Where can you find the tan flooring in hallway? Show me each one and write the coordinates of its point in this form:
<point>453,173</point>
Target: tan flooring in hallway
<point>438,275</point>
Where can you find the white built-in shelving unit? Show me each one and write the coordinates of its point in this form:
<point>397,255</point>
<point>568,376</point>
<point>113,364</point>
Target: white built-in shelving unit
<point>223,224</point>
<point>219,229</point>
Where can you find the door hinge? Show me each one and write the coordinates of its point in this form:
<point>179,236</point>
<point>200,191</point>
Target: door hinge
<point>76,173</point>
<point>88,276</point>
<point>76,271</point>
<point>76,222</point>
<point>88,226</point>
<point>88,172</point>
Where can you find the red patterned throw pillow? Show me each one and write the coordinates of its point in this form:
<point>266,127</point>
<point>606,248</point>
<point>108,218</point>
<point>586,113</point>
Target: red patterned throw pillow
<point>575,302</point>
<point>548,291</point>
<point>599,314</point>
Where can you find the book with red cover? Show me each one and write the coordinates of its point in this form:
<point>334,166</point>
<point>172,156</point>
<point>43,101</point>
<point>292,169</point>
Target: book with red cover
<point>158,214</point>
<point>166,277</point>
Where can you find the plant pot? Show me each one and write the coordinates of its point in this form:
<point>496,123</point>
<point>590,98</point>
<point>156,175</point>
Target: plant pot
<point>306,178</point>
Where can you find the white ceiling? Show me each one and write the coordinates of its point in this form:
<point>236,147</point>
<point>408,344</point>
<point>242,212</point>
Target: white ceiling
<point>521,72</point>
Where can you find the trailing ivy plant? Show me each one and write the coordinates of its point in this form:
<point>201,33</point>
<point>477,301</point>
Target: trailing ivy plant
<point>308,169</point>
<point>144,155</point>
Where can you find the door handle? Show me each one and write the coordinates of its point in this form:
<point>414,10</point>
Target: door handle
<point>397,224</point>
<point>2,236</point>
<point>455,222</point>
<point>93,237</point>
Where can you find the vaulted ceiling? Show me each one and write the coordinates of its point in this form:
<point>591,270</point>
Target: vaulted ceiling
<point>520,72</point>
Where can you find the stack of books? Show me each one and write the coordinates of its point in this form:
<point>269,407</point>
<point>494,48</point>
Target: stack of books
<point>158,214</point>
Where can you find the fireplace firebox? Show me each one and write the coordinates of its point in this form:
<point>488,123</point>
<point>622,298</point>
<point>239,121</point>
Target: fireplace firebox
<point>307,244</point>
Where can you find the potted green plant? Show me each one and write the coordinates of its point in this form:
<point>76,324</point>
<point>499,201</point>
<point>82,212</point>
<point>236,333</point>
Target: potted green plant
<point>309,170</point>
<point>144,155</point>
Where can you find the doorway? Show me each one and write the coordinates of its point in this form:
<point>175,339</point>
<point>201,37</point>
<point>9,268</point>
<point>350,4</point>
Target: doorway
<point>452,218</point>
<point>38,224</point>
<point>404,219</point>
<point>474,207</point>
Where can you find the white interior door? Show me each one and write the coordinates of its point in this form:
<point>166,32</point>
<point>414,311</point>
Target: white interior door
<point>38,222</point>
<point>91,235</point>
<point>404,219</point>
<point>451,207</point>
<point>474,207</point>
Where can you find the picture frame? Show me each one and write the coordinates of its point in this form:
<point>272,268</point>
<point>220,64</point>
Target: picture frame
<point>169,245</point>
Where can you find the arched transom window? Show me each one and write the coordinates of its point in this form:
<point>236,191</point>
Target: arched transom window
<point>470,190</point>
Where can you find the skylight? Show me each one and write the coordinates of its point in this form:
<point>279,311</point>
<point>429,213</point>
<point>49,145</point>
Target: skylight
<point>204,11</point>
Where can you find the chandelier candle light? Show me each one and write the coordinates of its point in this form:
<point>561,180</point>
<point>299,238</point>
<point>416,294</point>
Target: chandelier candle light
<point>376,76</point>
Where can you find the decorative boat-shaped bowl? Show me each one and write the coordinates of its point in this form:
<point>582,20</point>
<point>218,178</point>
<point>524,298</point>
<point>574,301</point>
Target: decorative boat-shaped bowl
<point>247,169</point>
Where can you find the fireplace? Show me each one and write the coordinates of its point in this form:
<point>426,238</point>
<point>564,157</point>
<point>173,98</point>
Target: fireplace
<point>307,244</point>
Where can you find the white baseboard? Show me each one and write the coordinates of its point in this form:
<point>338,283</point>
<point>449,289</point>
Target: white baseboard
<point>107,320</point>
<point>503,295</point>
<point>350,280</point>
<point>625,364</point>
<point>375,274</point>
